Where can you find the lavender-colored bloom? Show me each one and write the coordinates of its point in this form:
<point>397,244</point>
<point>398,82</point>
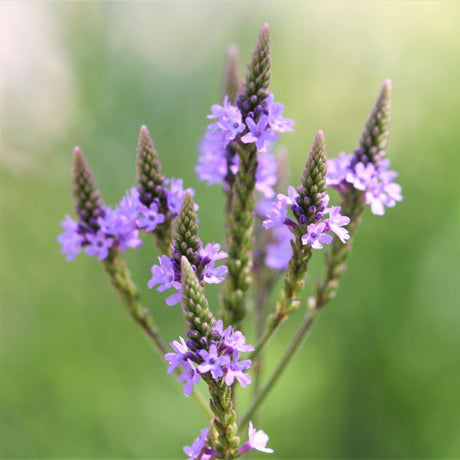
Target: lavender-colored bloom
<point>259,133</point>
<point>236,341</point>
<point>275,116</point>
<point>337,169</point>
<point>266,174</point>
<point>194,451</point>
<point>129,204</point>
<point>163,274</point>
<point>336,222</point>
<point>175,194</point>
<point>181,354</point>
<point>381,195</point>
<point>190,377</point>
<point>70,240</point>
<point>212,362</point>
<point>258,440</point>
<point>235,371</point>
<point>277,214</point>
<point>362,176</point>
<point>279,251</point>
<point>315,235</point>
<point>229,120</point>
<point>212,252</point>
<point>291,197</point>
<point>150,217</point>
<point>98,244</point>
<point>214,275</point>
<point>120,224</point>
<point>212,162</point>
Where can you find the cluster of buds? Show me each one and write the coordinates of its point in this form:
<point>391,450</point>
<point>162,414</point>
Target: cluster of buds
<point>237,153</point>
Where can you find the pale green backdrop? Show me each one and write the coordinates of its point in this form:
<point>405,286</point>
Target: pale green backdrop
<point>380,374</point>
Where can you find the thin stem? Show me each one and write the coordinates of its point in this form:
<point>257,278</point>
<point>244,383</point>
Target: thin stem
<point>120,278</point>
<point>288,354</point>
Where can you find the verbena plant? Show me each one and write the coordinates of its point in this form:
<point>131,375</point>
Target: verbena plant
<point>268,236</point>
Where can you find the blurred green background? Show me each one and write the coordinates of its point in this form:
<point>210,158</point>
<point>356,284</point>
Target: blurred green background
<point>380,373</point>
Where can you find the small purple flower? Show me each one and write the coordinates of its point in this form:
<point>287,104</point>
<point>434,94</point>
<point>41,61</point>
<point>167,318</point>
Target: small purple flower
<point>337,169</point>
<point>212,362</point>
<point>195,451</point>
<point>362,176</point>
<point>165,275</point>
<point>175,195</point>
<point>98,244</point>
<point>235,371</point>
<point>381,195</point>
<point>258,440</point>
<point>259,133</point>
<point>214,275</point>
<point>121,225</point>
<point>71,241</point>
<point>279,251</point>
<point>212,252</point>
<point>275,116</point>
<point>315,235</point>
<point>150,217</point>
<point>266,174</point>
<point>229,119</point>
<point>212,162</point>
<point>291,197</point>
<point>336,222</point>
<point>277,214</point>
<point>236,341</point>
<point>179,357</point>
<point>190,377</point>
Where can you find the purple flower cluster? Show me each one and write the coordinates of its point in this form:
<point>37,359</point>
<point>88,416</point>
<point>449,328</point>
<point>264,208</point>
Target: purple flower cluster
<point>316,234</point>
<point>377,182</point>
<point>167,273</point>
<point>261,128</point>
<point>119,227</point>
<point>258,440</point>
<point>221,359</point>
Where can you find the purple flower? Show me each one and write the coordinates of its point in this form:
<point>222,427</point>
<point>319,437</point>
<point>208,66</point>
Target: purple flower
<point>194,451</point>
<point>381,195</point>
<point>337,169</point>
<point>229,120</point>
<point>336,221</point>
<point>362,176</point>
<point>212,362</point>
<point>98,244</point>
<point>279,251</point>
<point>235,371</point>
<point>190,377</point>
<point>129,204</point>
<point>291,197</point>
<point>165,275</point>
<point>150,217</point>
<point>121,225</point>
<point>275,116</point>
<point>212,252</point>
<point>71,241</point>
<point>259,133</point>
<point>277,214</point>
<point>266,174</point>
<point>212,162</point>
<point>214,275</point>
<point>175,195</point>
<point>236,341</point>
<point>258,440</point>
<point>177,359</point>
<point>315,235</point>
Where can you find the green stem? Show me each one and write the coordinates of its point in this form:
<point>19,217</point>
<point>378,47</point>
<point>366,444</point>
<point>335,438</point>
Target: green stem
<point>287,356</point>
<point>121,279</point>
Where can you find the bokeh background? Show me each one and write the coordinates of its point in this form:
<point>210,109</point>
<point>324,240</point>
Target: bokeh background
<point>380,373</point>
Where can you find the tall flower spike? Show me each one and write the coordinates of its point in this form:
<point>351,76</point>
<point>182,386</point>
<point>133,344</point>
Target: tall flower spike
<point>241,212</point>
<point>231,77</point>
<point>88,201</point>
<point>199,321</point>
<point>149,177</point>
<point>195,307</point>
<point>185,239</point>
<point>313,183</point>
<point>310,202</point>
<point>373,141</point>
<point>255,86</point>
<point>374,138</point>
